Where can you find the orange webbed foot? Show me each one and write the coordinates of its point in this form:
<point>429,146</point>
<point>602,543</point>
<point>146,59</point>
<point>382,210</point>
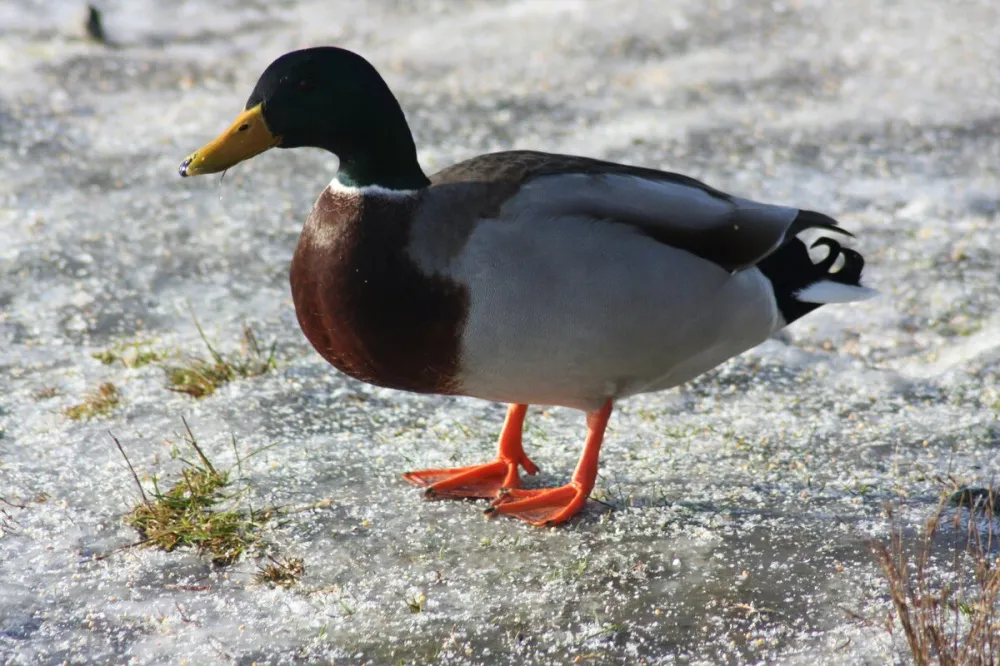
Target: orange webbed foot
<point>551,506</point>
<point>482,481</point>
<point>478,481</point>
<point>545,506</point>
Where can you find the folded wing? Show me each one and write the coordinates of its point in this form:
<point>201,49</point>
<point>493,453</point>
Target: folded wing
<point>671,208</point>
<point>729,231</point>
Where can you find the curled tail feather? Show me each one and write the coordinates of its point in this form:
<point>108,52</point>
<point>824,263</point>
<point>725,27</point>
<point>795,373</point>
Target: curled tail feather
<point>800,285</point>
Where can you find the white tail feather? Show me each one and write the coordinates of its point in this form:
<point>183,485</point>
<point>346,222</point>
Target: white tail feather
<point>828,291</point>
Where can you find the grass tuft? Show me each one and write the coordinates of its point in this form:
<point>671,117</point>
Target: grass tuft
<point>46,393</point>
<point>281,572</point>
<point>415,602</point>
<point>130,354</point>
<point>948,617</point>
<point>188,513</point>
<point>98,402</point>
<point>200,377</point>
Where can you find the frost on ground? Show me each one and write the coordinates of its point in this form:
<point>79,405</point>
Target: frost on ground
<point>735,513</point>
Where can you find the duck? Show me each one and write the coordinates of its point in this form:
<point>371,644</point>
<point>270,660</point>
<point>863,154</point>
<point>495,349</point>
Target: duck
<point>520,277</point>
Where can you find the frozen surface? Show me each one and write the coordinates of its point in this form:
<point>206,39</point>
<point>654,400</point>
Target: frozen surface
<point>737,510</point>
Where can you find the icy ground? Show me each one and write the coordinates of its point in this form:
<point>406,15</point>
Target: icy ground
<point>736,511</point>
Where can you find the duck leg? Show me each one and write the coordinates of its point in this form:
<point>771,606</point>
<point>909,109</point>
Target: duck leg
<point>483,481</point>
<point>551,506</point>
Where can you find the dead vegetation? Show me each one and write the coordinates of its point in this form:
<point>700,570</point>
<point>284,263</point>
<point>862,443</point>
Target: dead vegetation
<point>280,571</point>
<point>46,393</point>
<point>8,524</point>
<point>947,607</point>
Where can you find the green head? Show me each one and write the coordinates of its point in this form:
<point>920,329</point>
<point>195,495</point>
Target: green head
<point>327,98</point>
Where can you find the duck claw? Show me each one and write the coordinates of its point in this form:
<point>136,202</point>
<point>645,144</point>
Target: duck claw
<point>544,506</point>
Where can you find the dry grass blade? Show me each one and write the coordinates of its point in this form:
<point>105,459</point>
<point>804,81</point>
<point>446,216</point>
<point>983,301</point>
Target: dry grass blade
<point>46,393</point>
<point>281,572</point>
<point>8,524</point>
<point>197,449</point>
<point>138,484</point>
<point>949,615</point>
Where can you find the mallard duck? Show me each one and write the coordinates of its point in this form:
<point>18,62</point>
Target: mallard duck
<point>520,277</point>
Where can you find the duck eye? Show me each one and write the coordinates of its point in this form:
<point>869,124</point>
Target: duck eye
<point>305,85</point>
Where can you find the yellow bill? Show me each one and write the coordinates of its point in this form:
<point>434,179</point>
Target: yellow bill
<point>246,137</point>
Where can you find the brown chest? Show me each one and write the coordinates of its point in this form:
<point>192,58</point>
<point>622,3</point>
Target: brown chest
<point>365,306</point>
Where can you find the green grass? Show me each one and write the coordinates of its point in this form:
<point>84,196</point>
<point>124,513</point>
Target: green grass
<point>99,402</point>
<point>191,512</point>
<point>130,354</point>
<point>201,377</point>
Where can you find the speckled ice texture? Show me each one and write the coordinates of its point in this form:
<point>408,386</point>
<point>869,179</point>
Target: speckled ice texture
<point>736,511</point>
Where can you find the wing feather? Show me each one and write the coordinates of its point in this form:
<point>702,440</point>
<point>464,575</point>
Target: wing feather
<point>673,209</point>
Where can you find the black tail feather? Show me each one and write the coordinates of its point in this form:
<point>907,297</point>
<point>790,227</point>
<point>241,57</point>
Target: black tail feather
<point>790,268</point>
<point>850,272</point>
